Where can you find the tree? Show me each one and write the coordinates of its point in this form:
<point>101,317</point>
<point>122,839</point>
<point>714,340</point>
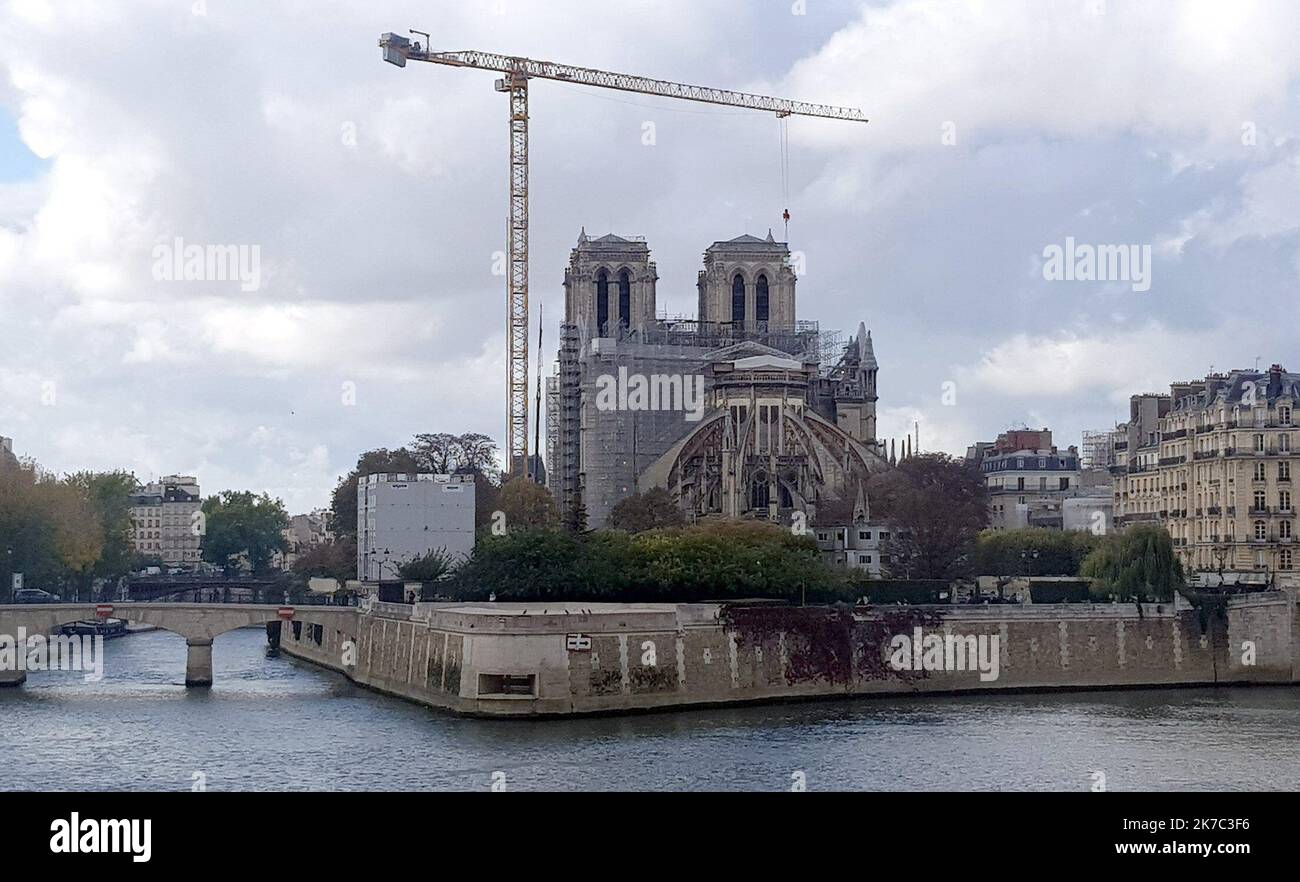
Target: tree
<point>575,515</point>
<point>444,453</point>
<point>1138,564</point>
<point>527,505</point>
<point>331,560</point>
<point>109,493</point>
<point>433,566</point>
<point>720,561</point>
<point>936,506</point>
<point>1032,552</point>
<point>240,522</point>
<point>651,510</point>
<point>50,531</point>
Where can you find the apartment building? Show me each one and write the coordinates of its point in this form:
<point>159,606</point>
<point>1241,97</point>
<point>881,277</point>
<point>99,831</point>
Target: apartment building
<point>163,522</point>
<point>1028,478</point>
<point>1213,462</point>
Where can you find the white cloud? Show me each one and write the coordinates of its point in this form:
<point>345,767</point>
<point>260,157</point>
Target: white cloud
<point>235,127</point>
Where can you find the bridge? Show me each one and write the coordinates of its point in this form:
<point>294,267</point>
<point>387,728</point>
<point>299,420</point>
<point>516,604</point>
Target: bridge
<point>198,623</point>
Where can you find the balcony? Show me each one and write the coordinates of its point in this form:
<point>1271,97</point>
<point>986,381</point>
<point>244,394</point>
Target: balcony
<point>1214,510</point>
<point>1258,510</point>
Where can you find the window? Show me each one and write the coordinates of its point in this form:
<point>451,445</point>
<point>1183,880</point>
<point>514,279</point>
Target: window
<point>1259,443</point>
<point>737,299</point>
<point>1284,443</point>
<point>863,534</point>
<point>1284,530</point>
<point>1284,415</point>
<point>1259,471</point>
<point>507,684</point>
<point>602,302</point>
<point>1284,500</point>
<point>1261,501</point>
<point>1261,530</point>
<point>1284,559</point>
<point>624,298</point>
<point>761,299</point>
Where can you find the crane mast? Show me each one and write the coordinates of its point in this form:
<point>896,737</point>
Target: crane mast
<point>517,71</point>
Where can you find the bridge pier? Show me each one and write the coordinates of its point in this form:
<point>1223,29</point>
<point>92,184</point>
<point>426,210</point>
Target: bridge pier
<point>198,662</point>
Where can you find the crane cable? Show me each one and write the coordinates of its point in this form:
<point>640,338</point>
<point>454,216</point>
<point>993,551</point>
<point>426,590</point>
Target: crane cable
<point>785,173</point>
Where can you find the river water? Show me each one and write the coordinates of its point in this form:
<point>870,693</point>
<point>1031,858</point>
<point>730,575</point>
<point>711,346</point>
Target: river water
<point>280,724</point>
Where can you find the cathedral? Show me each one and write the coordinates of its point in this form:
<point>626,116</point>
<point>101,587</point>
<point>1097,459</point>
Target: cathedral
<point>741,412</point>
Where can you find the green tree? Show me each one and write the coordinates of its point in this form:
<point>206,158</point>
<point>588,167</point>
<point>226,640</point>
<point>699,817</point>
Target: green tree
<point>527,506</point>
<point>331,560</point>
<point>936,506</point>
<point>719,561</point>
<point>652,510</point>
<point>433,566</point>
<point>1032,551</point>
<point>240,522</point>
<point>1136,564</point>
<point>109,493</point>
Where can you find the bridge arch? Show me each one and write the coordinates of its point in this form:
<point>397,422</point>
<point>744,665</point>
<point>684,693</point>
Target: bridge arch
<point>198,623</point>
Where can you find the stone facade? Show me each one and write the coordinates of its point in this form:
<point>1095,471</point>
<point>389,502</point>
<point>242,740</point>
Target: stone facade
<point>163,522</point>
<point>1214,463</point>
<point>544,659</point>
<point>747,348</point>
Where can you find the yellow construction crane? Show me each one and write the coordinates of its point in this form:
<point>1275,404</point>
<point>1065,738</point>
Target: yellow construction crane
<point>518,71</point>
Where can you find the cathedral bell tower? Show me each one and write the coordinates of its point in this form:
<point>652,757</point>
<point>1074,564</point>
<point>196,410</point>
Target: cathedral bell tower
<point>609,285</point>
<point>748,284</point>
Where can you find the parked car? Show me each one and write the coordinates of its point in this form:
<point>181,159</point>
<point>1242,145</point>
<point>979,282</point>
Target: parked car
<point>34,595</point>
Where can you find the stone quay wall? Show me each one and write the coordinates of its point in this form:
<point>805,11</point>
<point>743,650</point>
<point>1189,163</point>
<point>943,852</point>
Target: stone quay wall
<point>536,659</point>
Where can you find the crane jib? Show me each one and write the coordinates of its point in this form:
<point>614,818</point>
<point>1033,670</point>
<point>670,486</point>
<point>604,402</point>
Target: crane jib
<point>630,83</point>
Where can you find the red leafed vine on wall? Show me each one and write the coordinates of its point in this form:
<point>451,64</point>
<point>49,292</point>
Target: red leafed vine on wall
<point>831,643</point>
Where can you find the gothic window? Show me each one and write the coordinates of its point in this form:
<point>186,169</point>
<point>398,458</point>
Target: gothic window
<point>602,302</point>
<point>760,299</point>
<point>738,299</point>
<point>624,299</point>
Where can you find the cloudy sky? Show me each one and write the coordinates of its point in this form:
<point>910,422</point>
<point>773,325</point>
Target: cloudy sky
<point>376,198</point>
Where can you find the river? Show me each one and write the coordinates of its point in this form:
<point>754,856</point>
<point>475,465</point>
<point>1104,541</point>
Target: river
<point>280,724</point>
